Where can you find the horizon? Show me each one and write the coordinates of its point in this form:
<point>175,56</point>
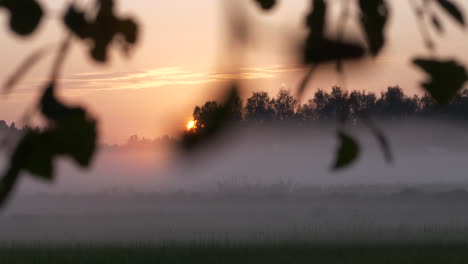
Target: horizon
<point>177,64</point>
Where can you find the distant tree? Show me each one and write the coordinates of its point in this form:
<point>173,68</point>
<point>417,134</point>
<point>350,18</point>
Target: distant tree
<point>284,105</point>
<point>306,112</point>
<point>330,106</point>
<point>259,108</point>
<point>203,115</point>
<point>3,125</point>
<point>360,102</point>
<point>394,103</point>
<point>236,108</point>
<point>321,100</point>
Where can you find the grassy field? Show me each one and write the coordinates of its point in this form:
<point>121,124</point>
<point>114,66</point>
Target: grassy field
<point>255,254</point>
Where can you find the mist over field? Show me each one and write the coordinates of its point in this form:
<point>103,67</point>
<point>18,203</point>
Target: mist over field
<point>258,184</point>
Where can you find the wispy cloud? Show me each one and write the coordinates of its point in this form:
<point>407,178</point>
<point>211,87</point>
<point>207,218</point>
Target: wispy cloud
<point>166,76</point>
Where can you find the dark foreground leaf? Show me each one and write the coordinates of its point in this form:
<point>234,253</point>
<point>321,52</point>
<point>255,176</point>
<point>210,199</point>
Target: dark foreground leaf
<point>327,50</point>
<point>453,10</point>
<point>73,131</point>
<point>70,132</point>
<point>103,30</point>
<point>347,153</point>
<point>374,17</point>
<point>266,4</point>
<point>25,15</point>
<point>446,78</point>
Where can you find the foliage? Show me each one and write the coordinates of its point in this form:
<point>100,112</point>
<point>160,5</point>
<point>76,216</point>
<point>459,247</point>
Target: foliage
<point>99,28</point>
<point>357,106</point>
<point>70,130</point>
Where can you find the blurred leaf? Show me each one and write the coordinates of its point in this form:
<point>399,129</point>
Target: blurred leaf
<point>217,120</point>
<point>266,4</point>
<point>76,22</point>
<point>25,15</point>
<point>374,17</point>
<point>103,30</point>
<point>25,66</point>
<point>74,133</point>
<point>33,154</point>
<point>316,20</point>
<point>326,50</point>
<point>452,10</point>
<point>70,132</point>
<point>318,48</point>
<point>446,78</point>
<point>347,153</point>
<point>437,24</point>
<point>7,184</point>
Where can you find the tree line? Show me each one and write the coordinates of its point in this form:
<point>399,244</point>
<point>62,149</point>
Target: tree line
<point>393,103</point>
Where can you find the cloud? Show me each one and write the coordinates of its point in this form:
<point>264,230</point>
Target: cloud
<point>165,76</point>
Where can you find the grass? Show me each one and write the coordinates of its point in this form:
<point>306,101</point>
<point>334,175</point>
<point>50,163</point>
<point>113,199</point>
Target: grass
<point>245,254</point>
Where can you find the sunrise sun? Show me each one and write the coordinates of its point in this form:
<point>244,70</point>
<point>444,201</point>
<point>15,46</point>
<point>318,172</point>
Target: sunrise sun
<point>190,125</point>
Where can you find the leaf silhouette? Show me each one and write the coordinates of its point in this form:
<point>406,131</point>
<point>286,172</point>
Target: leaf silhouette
<point>266,4</point>
<point>316,20</point>
<point>374,17</point>
<point>326,50</point>
<point>74,133</point>
<point>452,10</point>
<point>347,153</point>
<point>25,15</point>
<point>70,132</point>
<point>100,32</point>
<point>446,78</point>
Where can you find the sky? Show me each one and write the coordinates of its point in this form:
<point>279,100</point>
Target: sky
<point>183,59</point>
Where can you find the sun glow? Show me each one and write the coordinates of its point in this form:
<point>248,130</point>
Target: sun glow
<point>190,125</point>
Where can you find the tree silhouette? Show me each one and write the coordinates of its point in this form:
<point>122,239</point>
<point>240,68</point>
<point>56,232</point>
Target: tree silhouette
<point>259,108</point>
<point>284,105</point>
<point>98,28</point>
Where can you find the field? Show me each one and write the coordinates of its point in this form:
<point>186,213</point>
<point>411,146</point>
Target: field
<point>255,254</point>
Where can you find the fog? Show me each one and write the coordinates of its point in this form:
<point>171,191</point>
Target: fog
<point>256,184</point>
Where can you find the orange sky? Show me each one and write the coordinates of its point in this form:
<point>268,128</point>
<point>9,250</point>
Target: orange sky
<point>181,58</point>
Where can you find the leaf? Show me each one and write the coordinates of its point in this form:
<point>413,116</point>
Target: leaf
<point>446,78</point>
<point>326,50</point>
<point>452,10</point>
<point>70,132</point>
<point>316,20</point>
<point>25,15</point>
<point>74,133</point>
<point>266,4</point>
<point>25,66</point>
<point>100,32</point>
<point>374,17</point>
<point>318,48</point>
<point>34,154</point>
<point>347,153</point>
<point>7,184</point>
<point>75,20</point>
